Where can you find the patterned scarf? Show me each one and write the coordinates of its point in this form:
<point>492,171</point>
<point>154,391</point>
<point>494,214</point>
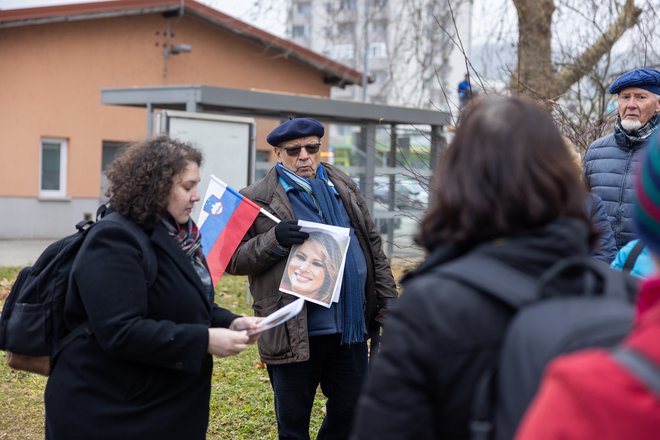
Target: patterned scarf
<point>320,195</point>
<point>640,134</point>
<point>188,238</point>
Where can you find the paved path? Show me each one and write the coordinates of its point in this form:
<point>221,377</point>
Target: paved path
<point>21,252</point>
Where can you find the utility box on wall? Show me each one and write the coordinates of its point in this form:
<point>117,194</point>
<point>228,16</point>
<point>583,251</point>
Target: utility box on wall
<point>227,143</point>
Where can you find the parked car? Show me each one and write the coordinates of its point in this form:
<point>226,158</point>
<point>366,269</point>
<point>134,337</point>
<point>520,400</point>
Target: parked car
<point>408,194</point>
<point>380,213</point>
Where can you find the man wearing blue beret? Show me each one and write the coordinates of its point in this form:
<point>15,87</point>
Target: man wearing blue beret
<point>610,160</point>
<point>320,346</point>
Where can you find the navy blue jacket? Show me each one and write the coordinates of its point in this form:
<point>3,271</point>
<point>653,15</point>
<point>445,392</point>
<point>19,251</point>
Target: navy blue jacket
<point>605,249</point>
<point>608,170</point>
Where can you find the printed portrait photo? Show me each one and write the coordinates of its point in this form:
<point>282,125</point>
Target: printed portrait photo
<point>315,267</point>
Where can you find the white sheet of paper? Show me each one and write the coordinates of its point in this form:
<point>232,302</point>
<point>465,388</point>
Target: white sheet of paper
<point>279,316</point>
<point>321,227</point>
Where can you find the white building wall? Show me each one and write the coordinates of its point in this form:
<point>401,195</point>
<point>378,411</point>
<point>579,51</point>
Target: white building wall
<point>47,219</point>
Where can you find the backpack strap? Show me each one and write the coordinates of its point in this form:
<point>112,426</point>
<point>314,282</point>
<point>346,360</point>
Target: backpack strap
<point>633,255</point>
<point>149,263</point>
<point>148,255</point>
<point>73,334</point>
<point>640,366</point>
<point>597,278</point>
<point>505,284</point>
<point>482,414</point>
<point>494,278</point>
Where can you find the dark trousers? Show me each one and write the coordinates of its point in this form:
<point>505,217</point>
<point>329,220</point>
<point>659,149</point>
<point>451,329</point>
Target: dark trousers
<point>339,369</point>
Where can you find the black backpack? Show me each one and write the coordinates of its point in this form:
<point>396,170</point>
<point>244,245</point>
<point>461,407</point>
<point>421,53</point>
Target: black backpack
<point>544,326</point>
<point>32,328</point>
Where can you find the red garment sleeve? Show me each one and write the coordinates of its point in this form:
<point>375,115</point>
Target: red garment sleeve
<point>561,409</point>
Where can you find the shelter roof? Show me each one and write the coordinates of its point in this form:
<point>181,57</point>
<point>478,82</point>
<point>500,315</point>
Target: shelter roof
<point>267,104</point>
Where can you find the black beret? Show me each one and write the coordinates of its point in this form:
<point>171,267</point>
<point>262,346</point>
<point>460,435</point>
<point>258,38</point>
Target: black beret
<point>647,79</point>
<point>294,129</point>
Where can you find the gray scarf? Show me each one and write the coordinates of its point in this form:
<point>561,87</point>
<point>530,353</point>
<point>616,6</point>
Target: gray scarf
<point>637,136</point>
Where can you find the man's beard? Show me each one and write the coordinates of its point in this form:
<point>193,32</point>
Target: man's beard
<point>631,124</point>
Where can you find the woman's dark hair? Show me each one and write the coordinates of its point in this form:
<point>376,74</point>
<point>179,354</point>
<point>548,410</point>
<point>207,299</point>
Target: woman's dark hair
<point>506,171</point>
<point>141,177</point>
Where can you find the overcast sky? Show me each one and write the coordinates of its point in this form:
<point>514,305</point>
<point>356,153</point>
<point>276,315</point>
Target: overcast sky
<point>271,20</point>
<point>270,15</point>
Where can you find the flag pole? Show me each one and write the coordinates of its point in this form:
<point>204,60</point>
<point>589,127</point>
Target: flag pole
<point>269,215</point>
<point>262,210</point>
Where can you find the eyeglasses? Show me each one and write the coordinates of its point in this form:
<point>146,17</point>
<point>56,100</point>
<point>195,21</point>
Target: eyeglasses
<point>295,151</point>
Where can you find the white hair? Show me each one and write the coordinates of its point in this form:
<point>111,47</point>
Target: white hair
<point>631,125</point>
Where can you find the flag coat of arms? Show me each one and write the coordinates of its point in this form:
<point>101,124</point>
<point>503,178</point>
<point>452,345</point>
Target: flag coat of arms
<point>223,221</point>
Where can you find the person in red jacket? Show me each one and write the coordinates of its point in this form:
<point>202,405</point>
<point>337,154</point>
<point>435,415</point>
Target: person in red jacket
<point>591,394</point>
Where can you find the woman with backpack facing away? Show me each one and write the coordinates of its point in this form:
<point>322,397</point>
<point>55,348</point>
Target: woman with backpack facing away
<point>505,192</point>
<point>140,284</point>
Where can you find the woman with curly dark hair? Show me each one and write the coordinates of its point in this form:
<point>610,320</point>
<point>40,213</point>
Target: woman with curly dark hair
<point>141,288</point>
<point>506,198</point>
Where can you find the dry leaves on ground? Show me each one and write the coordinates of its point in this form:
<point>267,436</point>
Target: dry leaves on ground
<point>5,286</point>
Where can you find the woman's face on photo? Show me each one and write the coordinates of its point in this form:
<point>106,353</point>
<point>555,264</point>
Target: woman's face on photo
<point>307,268</point>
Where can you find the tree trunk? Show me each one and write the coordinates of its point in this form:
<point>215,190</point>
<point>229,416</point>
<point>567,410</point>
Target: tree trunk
<point>534,75</point>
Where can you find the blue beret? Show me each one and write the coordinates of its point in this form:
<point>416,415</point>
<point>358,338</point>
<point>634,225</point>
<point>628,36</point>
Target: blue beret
<point>294,129</point>
<point>647,79</point>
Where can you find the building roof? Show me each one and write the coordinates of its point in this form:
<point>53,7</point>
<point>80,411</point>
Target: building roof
<point>335,73</point>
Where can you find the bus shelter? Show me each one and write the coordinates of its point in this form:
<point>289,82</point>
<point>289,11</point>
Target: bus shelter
<point>280,106</point>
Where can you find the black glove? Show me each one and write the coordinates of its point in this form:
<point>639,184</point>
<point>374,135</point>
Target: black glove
<point>287,233</point>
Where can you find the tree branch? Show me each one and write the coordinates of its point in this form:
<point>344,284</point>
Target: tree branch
<point>584,63</point>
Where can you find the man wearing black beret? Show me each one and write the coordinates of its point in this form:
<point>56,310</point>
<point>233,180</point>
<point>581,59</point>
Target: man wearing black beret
<point>610,160</point>
<point>320,346</point>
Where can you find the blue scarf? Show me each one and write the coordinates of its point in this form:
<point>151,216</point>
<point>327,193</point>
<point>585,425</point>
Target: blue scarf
<point>321,196</point>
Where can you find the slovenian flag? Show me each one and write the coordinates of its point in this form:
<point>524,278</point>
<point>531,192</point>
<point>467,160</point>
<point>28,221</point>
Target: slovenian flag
<point>223,222</point>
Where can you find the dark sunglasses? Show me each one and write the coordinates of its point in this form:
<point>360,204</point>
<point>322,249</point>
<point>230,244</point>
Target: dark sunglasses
<point>295,151</point>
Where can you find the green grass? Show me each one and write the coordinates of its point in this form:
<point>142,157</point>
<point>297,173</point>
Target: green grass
<point>241,395</point>
<point>21,404</point>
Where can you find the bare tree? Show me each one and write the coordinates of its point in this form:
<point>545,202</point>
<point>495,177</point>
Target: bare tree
<point>535,73</point>
<point>567,53</point>
<point>564,53</point>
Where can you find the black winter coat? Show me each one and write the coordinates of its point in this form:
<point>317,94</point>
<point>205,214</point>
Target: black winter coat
<point>144,371</point>
<point>442,335</point>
